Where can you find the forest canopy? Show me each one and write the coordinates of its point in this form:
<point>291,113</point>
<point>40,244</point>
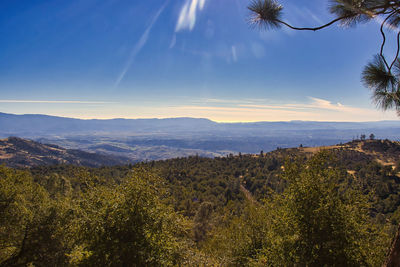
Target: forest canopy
<point>270,209</point>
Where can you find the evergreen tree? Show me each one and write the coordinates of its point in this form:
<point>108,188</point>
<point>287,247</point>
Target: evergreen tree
<point>372,136</point>
<point>128,225</point>
<point>30,230</point>
<point>381,74</point>
<point>322,219</point>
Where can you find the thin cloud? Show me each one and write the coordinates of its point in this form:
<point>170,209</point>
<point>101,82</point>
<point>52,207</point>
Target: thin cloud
<point>173,42</point>
<point>139,45</point>
<point>53,102</point>
<point>241,114</point>
<point>188,14</point>
<point>328,105</point>
<point>221,110</point>
<point>316,104</point>
<point>307,13</point>
<point>316,110</point>
<point>234,53</point>
<point>380,21</point>
<point>277,107</point>
<point>226,101</point>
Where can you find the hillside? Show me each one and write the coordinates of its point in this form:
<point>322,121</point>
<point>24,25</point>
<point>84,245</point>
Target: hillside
<point>193,180</point>
<point>226,207</point>
<point>19,153</point>
<point>158,139</point>
<point>373,163</point>
<point>384,152</point>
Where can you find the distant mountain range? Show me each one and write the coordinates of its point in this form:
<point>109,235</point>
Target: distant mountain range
<point>44,125</point>
<point>153,139</point>
<point>20,153</point>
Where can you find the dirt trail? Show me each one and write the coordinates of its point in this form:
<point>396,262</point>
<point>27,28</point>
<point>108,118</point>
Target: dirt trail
<point>248,195</point>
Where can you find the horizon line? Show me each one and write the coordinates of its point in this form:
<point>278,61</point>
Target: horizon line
<point>183,117</point>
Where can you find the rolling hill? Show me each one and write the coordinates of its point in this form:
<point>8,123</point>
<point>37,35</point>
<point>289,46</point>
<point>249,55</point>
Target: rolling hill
<point>157,139</point>
<point>19,153</point>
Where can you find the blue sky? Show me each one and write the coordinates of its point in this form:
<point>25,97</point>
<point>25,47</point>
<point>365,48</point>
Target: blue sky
<point>178,58</point>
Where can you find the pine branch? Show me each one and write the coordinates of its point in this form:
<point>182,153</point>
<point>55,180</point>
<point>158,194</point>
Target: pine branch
<point>314,28</point>
<point>268,12</point>
<point>397,52</point>
<point>384,40</point>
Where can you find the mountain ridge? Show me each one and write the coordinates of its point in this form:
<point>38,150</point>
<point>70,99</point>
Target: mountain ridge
<point>154,139</point>
<point>184,118</point>
<point>30,125</point>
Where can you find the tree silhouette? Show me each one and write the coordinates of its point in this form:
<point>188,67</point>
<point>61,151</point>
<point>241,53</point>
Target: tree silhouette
<point>372,136</point>
<point>381,75</point>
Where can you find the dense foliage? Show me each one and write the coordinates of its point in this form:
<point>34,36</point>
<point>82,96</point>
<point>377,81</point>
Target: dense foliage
<point>100,224</point>
<point>281,208</point>
<point>321,219</point>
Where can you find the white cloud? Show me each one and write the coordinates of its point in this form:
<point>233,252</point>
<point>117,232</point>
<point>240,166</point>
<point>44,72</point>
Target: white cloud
<point>188,14</point>
<point>317,105</point>
<point>327,105</point>
<point>221,110</point>
<point>173,42</point>
<point>52,102</point>
<point>234,53</point>
<point>316,110</point>
<point>324,104</point>
<point>314,17</point>
<point>138,46</point>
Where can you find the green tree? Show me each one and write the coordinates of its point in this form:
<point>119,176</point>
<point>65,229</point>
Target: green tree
<point>239,239</point>
<point>372,137</point>
<point>381,75</point>
<point>202,221</point>
<point>30,230</point>
<point>128,225</point>
<point>322,219</point>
